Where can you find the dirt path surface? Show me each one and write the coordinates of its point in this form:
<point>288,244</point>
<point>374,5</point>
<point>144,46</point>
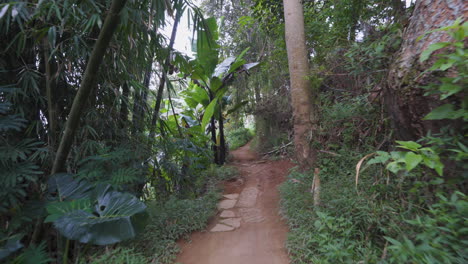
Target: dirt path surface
<point>248,228</point>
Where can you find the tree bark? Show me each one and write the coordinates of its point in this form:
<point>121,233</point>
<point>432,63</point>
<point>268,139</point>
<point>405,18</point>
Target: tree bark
<point>300,86</point>
<point>162,81</point>
<point>124,105</point>
<point>222,141</point>
<point>140,102</point>
<point>89,78</point>
<point>404,98</point>
<point>51,86</point>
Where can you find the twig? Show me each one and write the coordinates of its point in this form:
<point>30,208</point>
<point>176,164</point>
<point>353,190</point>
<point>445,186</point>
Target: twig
<point>278,149</point>
<point>315,190</point>
<point>329,152</point>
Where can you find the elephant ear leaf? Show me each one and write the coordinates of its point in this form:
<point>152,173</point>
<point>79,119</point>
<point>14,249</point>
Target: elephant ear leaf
<point>113,219</point>
<point>64,187</point>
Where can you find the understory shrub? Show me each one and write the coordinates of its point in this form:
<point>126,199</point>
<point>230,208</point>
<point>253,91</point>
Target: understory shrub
<point>176,218</point>
<point>172,220</point>
<point>239,137</point>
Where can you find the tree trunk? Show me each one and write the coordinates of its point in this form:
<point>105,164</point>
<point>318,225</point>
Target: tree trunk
<point>404,98</point>
<point>162,81</point>
<point>51,87</point>
<point>300,86</point>
<point>222,141</point>
<point>124,105</point>
<point>140,102</point>
<point>89,78</point>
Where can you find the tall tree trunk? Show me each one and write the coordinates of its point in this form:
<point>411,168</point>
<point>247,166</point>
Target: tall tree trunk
<point>404,97</point>
<point>162,81</point>
<point>140,102</point>
<point>51,87</point>
<point>222,141</point>
<point>300,86</point>
<point>124,105</point>
<point>89,78</point>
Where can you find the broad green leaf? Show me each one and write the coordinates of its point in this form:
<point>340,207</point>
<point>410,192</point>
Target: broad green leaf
<point>223,67</point>
<point>4,10</point>
<point>208,114</point>
<point>64,187</point>
<point>433,47</point>
<point>446,111</point>
<point>59,209</point>
<point>449,89</point>
<point>381,158</point>
<point>215,84</point>
<point>398,155</point>
<point>412,160</point>
<point>207,48</point>
<point>110,222</point>
<point>11,245</point>
<point>251,65</point>
<point>411,145</point>
<point>395,167</point>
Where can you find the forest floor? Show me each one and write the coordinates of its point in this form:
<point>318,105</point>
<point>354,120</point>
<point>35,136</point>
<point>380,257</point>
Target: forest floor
<point>248,227</point>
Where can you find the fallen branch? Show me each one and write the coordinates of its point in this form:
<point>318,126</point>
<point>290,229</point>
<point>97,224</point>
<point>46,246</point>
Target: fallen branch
<point>278,149</point>
<point>329,152</point>
<point>315,189</point>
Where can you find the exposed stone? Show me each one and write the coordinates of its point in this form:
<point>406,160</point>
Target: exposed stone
<point>226,204</point>
<point>232,196</point>
<point>234,222</point>
<point>248,197</point>
<point>227,214</point>
<point>222,228</point>
<point>251,215</point>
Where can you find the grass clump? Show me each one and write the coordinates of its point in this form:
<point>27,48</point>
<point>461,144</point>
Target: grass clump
<point>119,255</point>
<point>172,220</point>
<point>177,217</point>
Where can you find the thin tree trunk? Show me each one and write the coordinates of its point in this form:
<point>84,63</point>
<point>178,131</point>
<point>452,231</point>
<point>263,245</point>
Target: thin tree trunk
<point>51,85</point>
<point>300,86</point>
<point>162,81</point>
<point>140,102</point>
<point>213,133</point>
<point>124,105</point>
<point>89,78</point>
<point>222,141</point>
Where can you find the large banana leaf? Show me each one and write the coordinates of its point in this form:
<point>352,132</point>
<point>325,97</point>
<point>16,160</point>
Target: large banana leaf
<point>112,219</point>
<point>207,48</point>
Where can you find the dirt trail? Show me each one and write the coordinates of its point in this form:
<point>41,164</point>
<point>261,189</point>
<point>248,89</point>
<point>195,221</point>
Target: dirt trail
<point>248,229</point>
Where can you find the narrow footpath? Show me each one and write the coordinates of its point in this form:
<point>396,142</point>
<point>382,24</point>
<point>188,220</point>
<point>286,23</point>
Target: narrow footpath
<point>248,228</point>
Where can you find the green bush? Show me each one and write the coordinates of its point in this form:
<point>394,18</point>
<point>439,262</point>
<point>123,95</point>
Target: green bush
<point>176,218</point>
<point>119,255</point>
<point>173,219</point>
<point>239,137</point>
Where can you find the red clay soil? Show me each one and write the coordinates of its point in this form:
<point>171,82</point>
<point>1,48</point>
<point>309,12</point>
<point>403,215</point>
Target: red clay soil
<point>261,237</point>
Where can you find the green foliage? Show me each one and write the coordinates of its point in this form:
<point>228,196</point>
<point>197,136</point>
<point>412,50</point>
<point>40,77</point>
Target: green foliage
<point>96,215</point>
<point>416,214</point>
<point>438,236</point>
<point>172,220</point>
<point>239,137</point>
<point>449,87</point>
<point>33,255</point>
<point>119,255</point>
<point>398,161</point>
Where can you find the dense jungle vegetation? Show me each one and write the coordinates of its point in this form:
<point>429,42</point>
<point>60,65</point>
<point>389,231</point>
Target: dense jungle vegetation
<point>112,142</point>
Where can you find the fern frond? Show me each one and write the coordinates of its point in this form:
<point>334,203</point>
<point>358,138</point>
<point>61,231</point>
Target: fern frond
<point>12,122</point>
